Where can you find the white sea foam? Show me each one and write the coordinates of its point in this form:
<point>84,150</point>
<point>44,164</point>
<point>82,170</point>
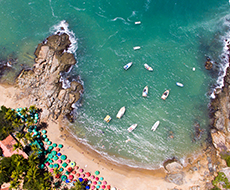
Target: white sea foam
<point>63,27</point>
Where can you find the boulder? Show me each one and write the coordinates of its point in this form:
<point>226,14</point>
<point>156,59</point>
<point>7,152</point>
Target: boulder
<point>208,65</point>
<point>218,140</point>
<point>178,178</point>
<point>174,167</point>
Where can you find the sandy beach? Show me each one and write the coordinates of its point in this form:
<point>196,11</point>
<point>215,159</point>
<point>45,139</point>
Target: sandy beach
<point>119,176</point>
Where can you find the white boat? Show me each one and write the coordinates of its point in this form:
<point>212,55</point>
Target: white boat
<point>126,67</point>
<point>154,127</point>
<point>179,84</point>
<point>165,95</point>
<point>145,91</point>
<point>107,119</point>
<point>132,127</point>
<point>138,22</point>
<point>128,140</point>
<point>136,47</point>
<point>148,67</point>
<point>121,112</point>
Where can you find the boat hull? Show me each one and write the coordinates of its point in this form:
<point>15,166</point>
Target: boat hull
<point>132,127</point>
<point>145,91</point>
<point>165,95</point>
<point>148,67</point>
<point>154,127</point>
<point>121,112</point>
<point>127,66</point>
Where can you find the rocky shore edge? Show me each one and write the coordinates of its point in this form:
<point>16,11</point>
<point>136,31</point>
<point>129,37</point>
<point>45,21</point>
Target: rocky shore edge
<point>42,83</point>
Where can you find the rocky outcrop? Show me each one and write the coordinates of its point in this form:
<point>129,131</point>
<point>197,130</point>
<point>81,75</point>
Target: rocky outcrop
<point>42,84</point>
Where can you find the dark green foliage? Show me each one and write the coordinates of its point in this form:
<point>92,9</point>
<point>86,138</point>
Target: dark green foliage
<point>78,186</point>
<point>221,179</point>
<point>226,157</point>
<point>1,152</point>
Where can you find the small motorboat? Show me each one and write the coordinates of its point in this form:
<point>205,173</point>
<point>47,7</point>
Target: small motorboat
<point>132,127</point>
<point>126,67</point>
<point>121,112</point>
<point>107,119</point>
<point>145,91</point>
<point>136,47</point>
<point>138,22</point>
<point>154,127</point>
<point>148,67</point>
<point>165,95</point>
<point>179,84</point>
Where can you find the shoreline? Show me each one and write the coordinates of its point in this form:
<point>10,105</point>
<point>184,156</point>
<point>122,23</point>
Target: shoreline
<point>120,176</point>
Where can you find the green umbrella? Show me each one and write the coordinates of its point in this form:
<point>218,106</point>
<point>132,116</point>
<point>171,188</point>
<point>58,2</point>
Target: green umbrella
<point>54,152</point>
<point>44,136</point>
<point>64,164</point>
<point>101,178</point>
<point>61,169</point>
<point>49,142</point>
<point>56,165</point>
<point>54,144</point>
<point>55,158</point>
<point>51,165</point>
<point>63,157</point>
<point>50,161</point>
<point>60,146</point>
<point>50,147</point>
<point>50,156</point>
<point>46,140</point>
<point>97,172</point>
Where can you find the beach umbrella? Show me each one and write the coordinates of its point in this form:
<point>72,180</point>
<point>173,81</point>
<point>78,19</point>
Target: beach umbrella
<point>50,156</point>
<point>60,146</point>
<point>76,167</point>
<point>50,148</point>
<point>103,186</point>
<point>51,170</point>
<point>64,164</point>
<point>61,169</point>
<point>92,176</point>
<point>78,175</point>
<point>70,177</point>
<point>55,158</point>
<point>53,152</point>
<point>59,154</point>
<point>59,161</point>
<point>85,179</point>
<point>113,188</point>
<point>82,175</point>
<point>72,164</point>
<point>94,183</point>
<point>97,172</point>
<point>99,183</point>
<point>47,163</point>
<point>98,186</point>
<point>101,178</point>
<point>50,161</point>
<point>68,161</point>
<point>92,187</point>
<point>108,187</point>
<point>66,172</point>
<point>104,182</point>
<point>96,178</point>
<point>57,149</point>
<point>89,182</point>
<point>51,165</point>
<point>44,136</point>
<point>54,145</point>
<point>87,187</point>
<point>73,172</point>
<point>69,169</point>
<point>67,181</point>
<point>44,131</point>
<point>80,179</point>
<point>49,142</point>
<point>42,166</point>
<point>56,165</point>
<point>81,170</point>
<point>57,176</point>
<point>87,174</point>
<point>63,157</point>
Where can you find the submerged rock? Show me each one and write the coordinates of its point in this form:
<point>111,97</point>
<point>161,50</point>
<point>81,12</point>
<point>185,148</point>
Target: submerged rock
<point>43,82</point>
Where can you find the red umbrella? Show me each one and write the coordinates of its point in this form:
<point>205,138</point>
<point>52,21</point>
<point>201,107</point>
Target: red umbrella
<point>97,178</point>
<point>57,175</point>
<point>69,169</point>
<point>87,174</point>
<point>95,183</point>
<point>92,177</point>
<point>108,187</point>
<point>57,149</point>
<point>73,172</point>
<point>103,186</point>
<point>68,161</point>
<point>82,175</point>
<point>76,167</point>
<point>104,182</point>
<point>70,177</point>
<point>78,175</point>
<point>81,170</point>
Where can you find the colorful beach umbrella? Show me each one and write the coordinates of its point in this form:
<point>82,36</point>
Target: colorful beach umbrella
<point>82,175</point>
<point>70,177</point>
<point>55,158</point>
<point>73,172</point>
<point>92,187</point>
<point>87,187</point>
<point>49,142</point>
<point>97,172</point>
<point>57,149</point>
<point>87,174</point>
<point>59,161</point>
<point>78,175</point>
<point>56,165</point>
<point>101,178</point>
<point>61,169</point>
<point>99,183</point>
<point>81,170</point>
<point>63,157</point>
<point>108,187</point>
<point>98,186</point>
<point>94,183</point>
<point>80,179</point>
<point>44,131</point>
<point>104,182</point>
<point>96,178</point>
<point>60,146</point>
<point>103,186</point>
<point>53,152</point>
<point>64,165</point>
<point>72,164</point>
<point>54,145</point>
<point>92,176</point>
<point>68,161</point>
<point>76,167</point>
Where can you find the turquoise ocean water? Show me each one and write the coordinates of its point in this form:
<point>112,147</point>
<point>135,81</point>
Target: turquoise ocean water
<point>174,36</point>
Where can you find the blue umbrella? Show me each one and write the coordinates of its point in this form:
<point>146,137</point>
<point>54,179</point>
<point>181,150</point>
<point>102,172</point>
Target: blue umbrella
<point>80,179</point>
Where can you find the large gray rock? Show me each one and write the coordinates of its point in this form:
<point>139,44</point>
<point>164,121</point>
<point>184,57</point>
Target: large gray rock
<point>218,140</point>
<point>178,179</point>
<point>174,167</point>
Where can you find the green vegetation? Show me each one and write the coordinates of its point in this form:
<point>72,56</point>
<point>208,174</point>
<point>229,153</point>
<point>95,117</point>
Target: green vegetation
<point>221,180</point>
<point>78,186</point>
<point>226,157</point>
<point>1,152</point>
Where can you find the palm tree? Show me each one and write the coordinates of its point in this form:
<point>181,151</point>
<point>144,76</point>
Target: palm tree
<point>78,186</point>
<point>33,160</point>
<point>17,146</point>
